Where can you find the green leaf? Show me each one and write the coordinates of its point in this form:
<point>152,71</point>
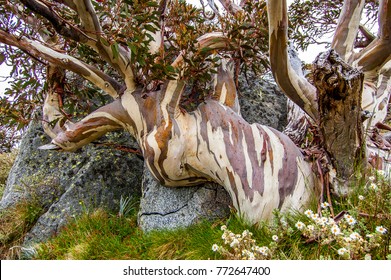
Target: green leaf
<point>104,42</point>
<point>133,48</point>
<point>115,50</point>
<point>152,4</point>
<point>150,28</point>
<point>2,58</point>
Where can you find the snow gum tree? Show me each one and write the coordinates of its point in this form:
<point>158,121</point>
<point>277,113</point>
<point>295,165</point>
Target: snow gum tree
<point>171,71</point>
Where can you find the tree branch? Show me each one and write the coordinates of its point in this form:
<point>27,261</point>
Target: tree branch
<point>378,53</point>
<point>90,34</point>
<point>92,74</point>
<point>110,117</point>
<point>59,24</point>
<point>347,28</point>
<point>231,7</point>
<point>366,33</point>
<point>92,26</point>
<point>295,86</point>
<point>211,41</point>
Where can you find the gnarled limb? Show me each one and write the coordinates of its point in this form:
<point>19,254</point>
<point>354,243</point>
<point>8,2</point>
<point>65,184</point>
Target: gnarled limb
<point>260,167</point>
<point>107,118</point>
<point>296,87</point>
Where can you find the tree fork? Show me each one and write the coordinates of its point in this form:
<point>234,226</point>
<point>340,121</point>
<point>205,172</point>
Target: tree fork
<point>339,88</point>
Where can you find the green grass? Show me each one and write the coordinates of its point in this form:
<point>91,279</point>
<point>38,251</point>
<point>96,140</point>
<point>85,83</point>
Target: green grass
<point>102,235</point>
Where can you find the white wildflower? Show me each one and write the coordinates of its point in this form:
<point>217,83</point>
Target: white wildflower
<point>234,243</point>
<point>360,197</point>
<point>215,247</point>
<point>351,221</point>
<point>335,230</point>
<point>371,178</point>
<point>300,225</point>
<point>275,238</point>
<point>308,213</point>
<point>223,227</point>
<point>331,222</point>
<point>321,221</point>
<point>355,236</point>
<point>342,251</point>
<point>381,229</point>
<point>373,186</point>
<point>248,254</point>
<point>314,216</point>
<point>347,239</point>
<point>324,205</point>
<point>263,250</point>
<point>311,227</point>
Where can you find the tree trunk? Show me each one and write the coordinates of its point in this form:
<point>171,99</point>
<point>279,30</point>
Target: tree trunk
<point>339,88</point>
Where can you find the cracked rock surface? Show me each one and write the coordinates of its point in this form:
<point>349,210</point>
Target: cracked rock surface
<point>169,208</point>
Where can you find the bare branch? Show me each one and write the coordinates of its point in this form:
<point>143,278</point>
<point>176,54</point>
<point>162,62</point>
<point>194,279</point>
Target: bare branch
<point>231,7</point>
<point>347,28</point>
<point>92,74</point>
<point>366,33</point>
<point>59,24</point>
<point>92,26</point>
<point>295,86</point>
<point>378,53</point>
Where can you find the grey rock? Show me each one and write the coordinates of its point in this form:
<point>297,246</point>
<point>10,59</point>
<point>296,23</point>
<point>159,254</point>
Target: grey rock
<point>262,102</point>
<point>170,208</point>
<point>67,184</point>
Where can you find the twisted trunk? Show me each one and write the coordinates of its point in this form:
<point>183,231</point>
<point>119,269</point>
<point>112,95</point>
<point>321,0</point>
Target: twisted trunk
<point>260,167</point>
